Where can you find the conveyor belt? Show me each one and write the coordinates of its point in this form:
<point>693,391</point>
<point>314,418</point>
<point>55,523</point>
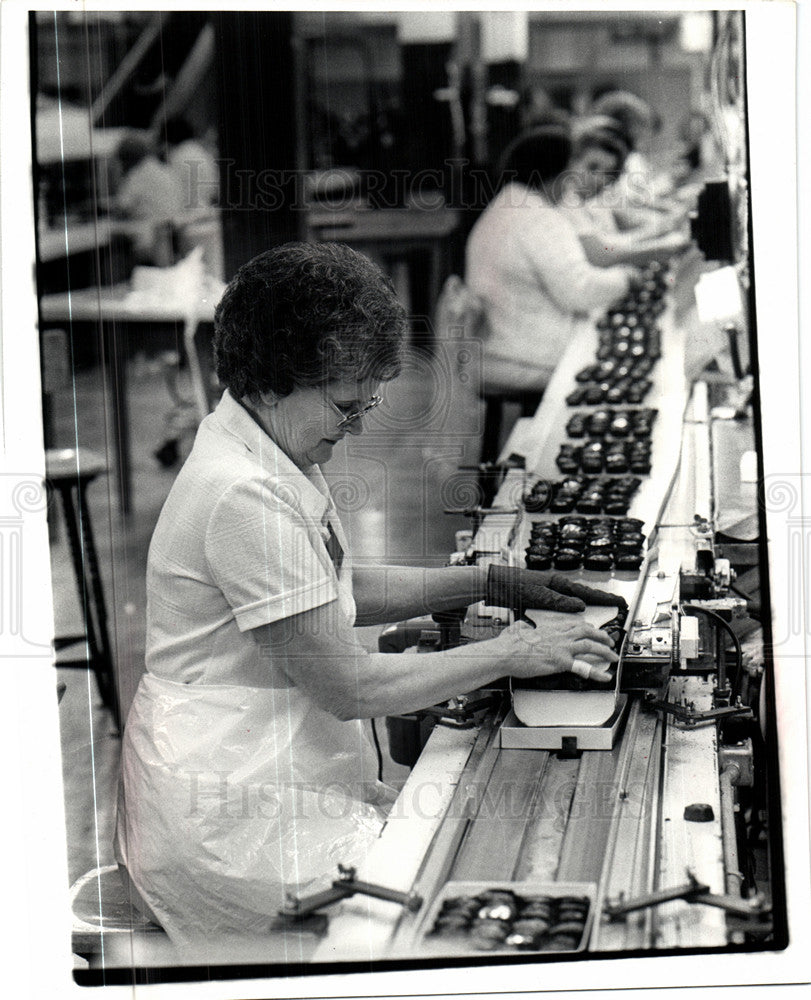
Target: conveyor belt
<point>611,823</point>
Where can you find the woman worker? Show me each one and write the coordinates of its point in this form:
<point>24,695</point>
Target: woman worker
<point>246,768</point>
<point>526,264</point>
<point>594,203</point>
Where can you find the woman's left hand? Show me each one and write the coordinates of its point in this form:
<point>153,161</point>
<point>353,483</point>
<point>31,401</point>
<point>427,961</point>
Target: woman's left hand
<point>520,589</point>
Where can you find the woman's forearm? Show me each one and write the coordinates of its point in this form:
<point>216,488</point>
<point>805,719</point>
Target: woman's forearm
<point>609,249</point>
<point>394,683</point>
<point>386,594</point>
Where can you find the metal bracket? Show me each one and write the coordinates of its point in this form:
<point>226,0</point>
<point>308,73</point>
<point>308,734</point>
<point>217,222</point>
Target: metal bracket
<point>459,713</point>
<point>300,907</point>
<point>691,891</point>
<point>688,714</point>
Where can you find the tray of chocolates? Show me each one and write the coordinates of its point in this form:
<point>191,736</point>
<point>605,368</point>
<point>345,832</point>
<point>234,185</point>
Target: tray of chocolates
<point>612,424</point>
<point>510,917</point>
<point>594,457</point>
<point>583,494</point>
<point>597,544</point>
<point>629,342</point>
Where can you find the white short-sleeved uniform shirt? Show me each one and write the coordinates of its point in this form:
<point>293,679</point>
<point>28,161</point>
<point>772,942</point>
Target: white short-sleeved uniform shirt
<point>235,785</point>
<point>243,540</point>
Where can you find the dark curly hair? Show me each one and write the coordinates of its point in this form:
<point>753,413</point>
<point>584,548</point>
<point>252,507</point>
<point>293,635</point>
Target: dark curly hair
<point>536,158</point>
<point>305,314</point>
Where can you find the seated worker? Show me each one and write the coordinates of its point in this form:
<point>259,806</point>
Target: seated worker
<point>246,766</point>
<point>593,202</point>
<point>198,176</point>
<point>638,123</point>
<point>646,194</point>
<point>151,196</point>
<point>526,264</point>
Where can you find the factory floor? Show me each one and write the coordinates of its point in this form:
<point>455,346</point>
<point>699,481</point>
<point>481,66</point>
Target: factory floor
<point>391,485</point>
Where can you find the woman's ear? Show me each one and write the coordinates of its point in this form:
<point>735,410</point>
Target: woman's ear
<point>269,398</point>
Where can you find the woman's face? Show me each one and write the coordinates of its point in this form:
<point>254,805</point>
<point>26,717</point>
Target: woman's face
<point>594,169</point>
<point>308,423</point>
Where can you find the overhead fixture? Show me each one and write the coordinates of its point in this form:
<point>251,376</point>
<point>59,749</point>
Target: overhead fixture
<point>426,27</point>
<point>505,36</point>
<point>696,31</point>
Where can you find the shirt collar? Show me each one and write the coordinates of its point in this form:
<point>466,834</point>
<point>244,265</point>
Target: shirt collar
<point>308,488</point>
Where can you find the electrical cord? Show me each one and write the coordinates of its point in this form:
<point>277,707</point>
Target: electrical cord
<point>378,750</point>
<point>719,621</point>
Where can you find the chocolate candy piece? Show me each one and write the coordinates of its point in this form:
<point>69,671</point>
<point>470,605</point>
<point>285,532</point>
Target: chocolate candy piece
<point>538,498</point>
<point>571,525</point>
<point>581,522</point>
<point>593,395</point>
<point>493,896</point>
<point>620,425</point>
<point>587,374</point>
<point>576,397</point>
<point>534,926</point>
<point>616,461</point>
<point>469,903</point>
<point>587,506</point>
<point>598,422</point>
<point>453,923</point>
<point>576,427</point>
<point>575,928</point>
<point>579,903</point>
<point>543,536</point>
<point>563,503</point>
<point>524,941</point>
<point>567,559</point>
<point>504,911</point>
<point>496,930</point>
<point>539,562</point>
<point>628,562</point>
<point>597,563</point>
<point>563,942</point>
<point>483,942</point>
<point>616,506</point>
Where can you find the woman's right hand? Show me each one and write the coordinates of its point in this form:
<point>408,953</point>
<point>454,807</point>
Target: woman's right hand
<point>553,645</point>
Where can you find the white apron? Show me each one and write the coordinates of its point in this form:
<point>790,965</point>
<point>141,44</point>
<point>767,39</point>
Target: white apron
<point>232,795</point>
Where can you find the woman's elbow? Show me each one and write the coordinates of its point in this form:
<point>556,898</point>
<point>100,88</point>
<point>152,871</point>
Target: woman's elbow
<point>345,707</point>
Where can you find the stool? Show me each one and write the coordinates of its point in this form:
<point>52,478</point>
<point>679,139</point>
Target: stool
<point>69,472</point>
<point>101,909</point>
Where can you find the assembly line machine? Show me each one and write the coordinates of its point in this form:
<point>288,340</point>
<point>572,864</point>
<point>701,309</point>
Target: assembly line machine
<point>565,816</point>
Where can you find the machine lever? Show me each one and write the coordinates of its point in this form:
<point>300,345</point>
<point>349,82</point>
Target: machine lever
<point>689,715</point>
<point>692,891</point>
<point>299,907</point>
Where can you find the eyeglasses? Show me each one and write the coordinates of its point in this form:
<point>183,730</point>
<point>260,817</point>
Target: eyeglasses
<point>349,416</point>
